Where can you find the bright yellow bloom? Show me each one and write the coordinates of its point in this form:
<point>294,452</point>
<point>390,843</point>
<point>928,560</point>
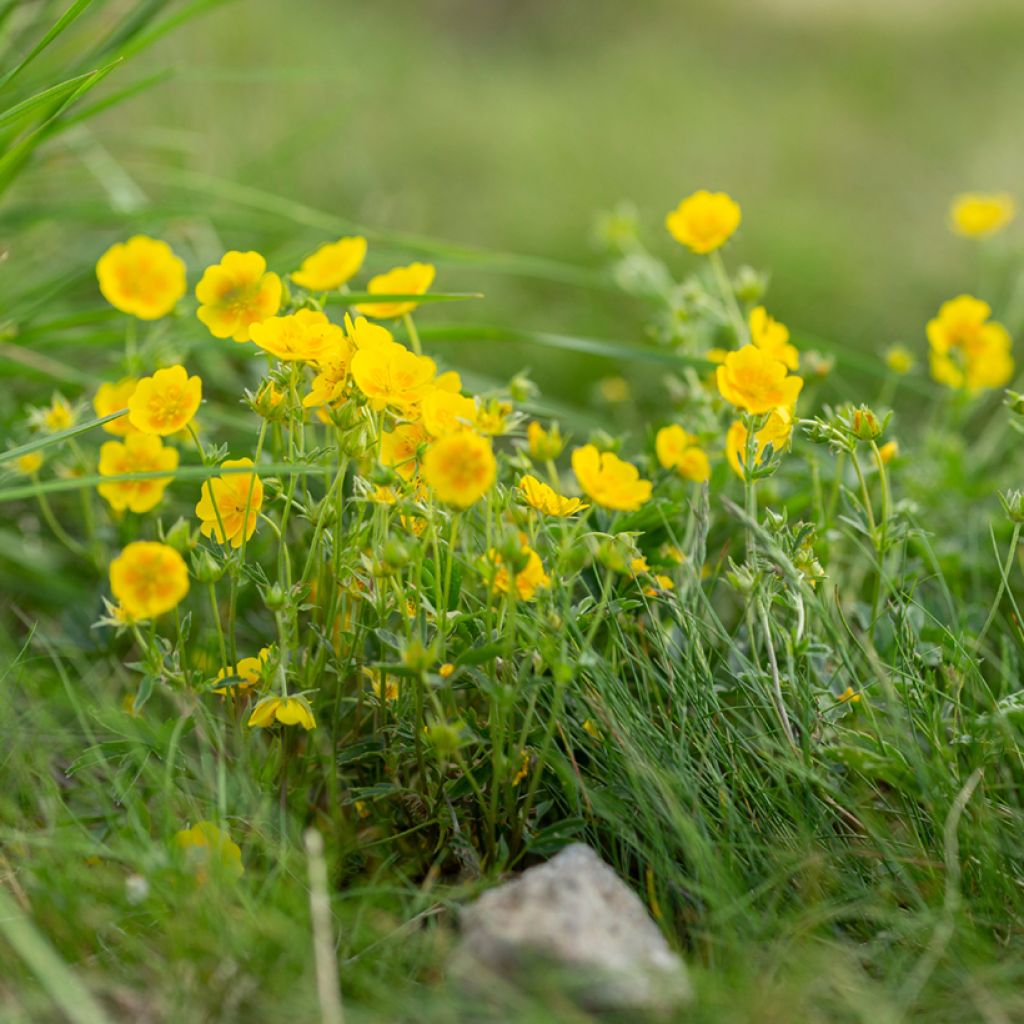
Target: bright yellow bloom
<point>608,480</point>
<point>331,265</point>
<point>148,579</point>
<point>209,849</point>
<point>889,451</point>
<point>967,349</point>
<point>445,412</point>
<point>57,416</point>
<point>286,710</point>
<point>978,215</point>
<point>231,504</point>
<point>142,277</point>
<point>704,221</point>
<point>306,336</point>
<point>772,338</point>
<point>681,451</point>
<point>415,279</point>
<point>30,463</point>
<point>776,432</point>
<point>399,448</point>
<point>248,672</point>
<point>332,375</point>
<point>460,468</point>
<point>365,334</point>
<point>392,376</point>
<point>545,499</point>
<point>492,417</point>
<point>450,380</point>
<point>528,580</point>
<point>899,359</point>
<point>754,381</point>
<point>139,453</point>
<point>237,293</point>
<point>446,670</point>
<point>166,402</point>
<point>111,397</point>
<point>543,445</point>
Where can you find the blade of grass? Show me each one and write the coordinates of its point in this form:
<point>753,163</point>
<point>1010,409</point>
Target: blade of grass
<point>56,29</point>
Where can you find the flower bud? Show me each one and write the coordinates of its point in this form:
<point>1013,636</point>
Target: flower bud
<point>180,537</point>
<point>750,285</point>
<point>419,657</point>
<point>275,597</point>
<point>206,568</point>
<point>1013,505</point>
<point>444,737</point>
<point>395,554</point>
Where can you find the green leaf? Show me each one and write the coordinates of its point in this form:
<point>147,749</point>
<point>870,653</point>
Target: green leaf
<point>56,29</point>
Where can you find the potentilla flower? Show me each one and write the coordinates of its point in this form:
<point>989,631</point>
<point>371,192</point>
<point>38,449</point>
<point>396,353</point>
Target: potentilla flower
<point>527,581</point>
<point>546,499</point>
<point>148,579</point>
<point>980,214</point>
<point>230,505</point>
<point>543,445</point>
<point>142,277</point>
<point>889,451</point>
<point>331,265</point>
<point>450,380</point>
<point>460,468</point>
<point>681,451</point>
<point>328,386</point>
<point>609,481</point>
<point>286,710</point>
<point>248,673</point>
<point>756,382</point>
<point>776,432</point>
<point>899,359</point>
<point>967,349</point>
<point>138,453</point>
<point>209,850</point>
<point>704,221</point>
<point>57,416</point>
<point>364,333</point>
<point>492,417</point>
<point>415,279</point>
<point>111,397</point>
<point>772,337</point>
<point>166,402</point>
<point>306,336</point>
<point>445,412</point>
<point>390,376</point>
<point>400,448</point>
<point>30,463</point>
<point>237,293</point>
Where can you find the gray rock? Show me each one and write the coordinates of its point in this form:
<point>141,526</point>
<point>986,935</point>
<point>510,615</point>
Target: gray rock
<point>570,926</point>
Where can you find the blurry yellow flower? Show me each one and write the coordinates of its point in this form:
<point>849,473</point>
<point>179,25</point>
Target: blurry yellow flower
<point>978,215</point>
<point>445,412</point>
<point>608,480</point>
<point>305,336</point>
<point>230,505</point>
<point>139,453</point>
<point>899,359</point>
<point>590,728</point>
<point>209,850</point>
<point>148,578</point>
<point>967,349</point>
<point>492,417</point>
<point>849,695</point>
<point>776,432</point>
<point>166,402</point>
<point>543,445</point>
<point>614,390</point>
<point>524,768</point>
<point>392,376</point>
<point>889,451</point>
<point>704,221</point>
<point>142,277</point>
<point>29,463</point>
<point>681,451</point>
<point>248,672</point>
<point>286,710</point>
<point>545,499</point>
<point>237,293</point>
<point>527,581</point>
<point>414,279</point>
<point>772,338</point>
<point>754,381</point>
<point>663,583</point>
<point>384,691</point>
<point>460,468</point>
<point>399,448</point>
<point>331,265</point>
<point>57,416</point>
<point>332,374</point>
<point>111,397</point>
<point>450,380</point>
<point>446,670</point>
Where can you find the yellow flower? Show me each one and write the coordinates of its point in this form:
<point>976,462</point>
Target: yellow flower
<point>148,578</point>
<point>29,463</point>
<point>450,380</point>
<point>286,710</point>
<point>414,279</point>
<point>543,445</point>
<point>776,432</point>
<point>111,397</point>
<point>614,390</point>
<point>772,338</point>
<point>680,451</point>
<point>445,412</point>
<point>446,670</point>
<point>230,505</point>
<point>237,293</point>
<point>166,402</point>
<point>590,728</point>
<point>399,448</point>
<point>142,277</point>
<point>899,359</point>
<point>305,336</point>
<point>545,499</point>
<point>332,374</point>
<point>460,468</point>
<point>392,376</point>
<point>139,453</point>
<point>207,848</point>
<point>608,481</point>
<point>889,451</point>
<point>492,418</point>
<point>754,381</point>
<point>364,334</point>
<point>331,265</point>
<point>978,215</point>
<point>849,695</point>
<point>57,416</point>
<point>967,349</point>
<point>383,691</point>
<point>527,581</point>
<point>704,221</point>
<point>248,672</point>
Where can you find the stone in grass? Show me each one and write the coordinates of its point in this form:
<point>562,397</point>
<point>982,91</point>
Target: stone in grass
<point>571,927</point>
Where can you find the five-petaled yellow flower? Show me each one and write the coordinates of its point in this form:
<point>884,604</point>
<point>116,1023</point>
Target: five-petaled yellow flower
<point>776,432</point>
<point>166,402</point>
<point>286,710</point>
<point>754,381</point>
<point>142,277</point>
<point>148,579</point>
<point>704,221</point>
<point>527,581</point>
<point>30,463</point>
<point>414,279</point>
<point>248,673</point>
<point>608,480</point>
<point>392,377</point>
<point>111,397</point>
<point>209,850</point>
<point>138,453</point>
<point>231,504</point>
<point>967,349</point>
<point>306,336</point>
<point>445,412</point>
<point>546,499</point>
<point>460,468</point>
<point>331,265</point>
<point>980,214</point>
<point>681,451</point>
<point>237,293</point>
<point>772,337</point>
